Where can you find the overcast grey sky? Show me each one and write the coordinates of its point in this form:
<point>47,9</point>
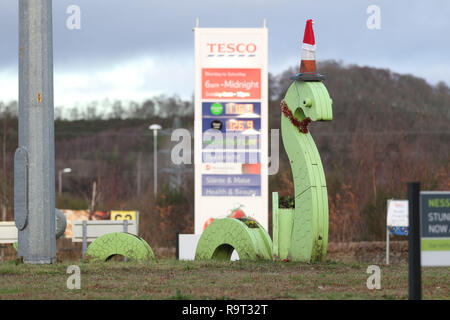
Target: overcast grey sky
<point>133,49</point>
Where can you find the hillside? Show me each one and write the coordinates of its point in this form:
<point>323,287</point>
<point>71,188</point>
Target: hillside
<point>388,129</point>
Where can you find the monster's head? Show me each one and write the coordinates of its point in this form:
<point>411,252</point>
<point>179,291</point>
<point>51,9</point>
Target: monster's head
<point>307,97</point>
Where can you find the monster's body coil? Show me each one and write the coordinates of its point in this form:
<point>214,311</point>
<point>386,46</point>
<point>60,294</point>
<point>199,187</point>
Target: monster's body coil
<point>309,237</point>
<point>119,243</point>
<point>222,236</point>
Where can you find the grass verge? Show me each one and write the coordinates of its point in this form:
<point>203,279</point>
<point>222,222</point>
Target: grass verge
<point>172,279</point>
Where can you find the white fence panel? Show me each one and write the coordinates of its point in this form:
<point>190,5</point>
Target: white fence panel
<point>8,232</point>
<point>97,228</point>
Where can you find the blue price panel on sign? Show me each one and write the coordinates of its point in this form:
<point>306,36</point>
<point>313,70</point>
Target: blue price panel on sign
<point>231,109</point>
<point>231,185</point>
<point>237,180</point>
<point>231,116</point>
<point>231,141</point>
<point>219,191</point>
<point>231,157</point>
<point>236,125</point>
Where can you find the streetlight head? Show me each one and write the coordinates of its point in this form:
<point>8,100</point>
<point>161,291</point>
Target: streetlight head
<point>155,127</point>
<point>67,170</point>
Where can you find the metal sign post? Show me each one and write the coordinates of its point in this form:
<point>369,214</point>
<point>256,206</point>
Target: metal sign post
<point>34,164</point>
<point>414,273</point>
<point>155,128</point>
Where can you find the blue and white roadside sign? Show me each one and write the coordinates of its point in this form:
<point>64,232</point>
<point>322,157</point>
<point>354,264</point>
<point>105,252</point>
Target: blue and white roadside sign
<point>396,221</point>
<point>397,217</point>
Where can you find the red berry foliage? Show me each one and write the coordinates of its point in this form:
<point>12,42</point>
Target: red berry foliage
<point>302,126</point>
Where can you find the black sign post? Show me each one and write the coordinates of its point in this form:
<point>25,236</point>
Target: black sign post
<point>414,274</point>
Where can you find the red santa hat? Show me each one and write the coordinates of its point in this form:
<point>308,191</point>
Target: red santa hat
<point>309,43</point>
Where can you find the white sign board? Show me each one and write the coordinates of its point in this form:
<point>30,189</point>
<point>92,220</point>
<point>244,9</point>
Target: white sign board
<point>8,232</point>
<point>231,125</point>
<point>397,217</point>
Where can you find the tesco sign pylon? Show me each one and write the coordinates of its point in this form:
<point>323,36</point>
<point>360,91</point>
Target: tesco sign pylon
<point>231,125</point>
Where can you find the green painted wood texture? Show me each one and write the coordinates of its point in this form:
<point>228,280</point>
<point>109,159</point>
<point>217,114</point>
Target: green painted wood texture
<point>309,237</point>
<point>285,221</point>
<point>223,235</point>
<point>119,243</point>
<point>282,219</point>
<point>275,233</point>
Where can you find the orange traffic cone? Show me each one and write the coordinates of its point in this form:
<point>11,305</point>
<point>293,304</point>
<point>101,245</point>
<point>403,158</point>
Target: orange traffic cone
<point>308,64</point>
<point>308,70</point>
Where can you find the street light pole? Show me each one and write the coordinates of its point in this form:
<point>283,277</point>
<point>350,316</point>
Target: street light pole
<point>34,160</point>
<point>155,128</point>
<point>60,173</point>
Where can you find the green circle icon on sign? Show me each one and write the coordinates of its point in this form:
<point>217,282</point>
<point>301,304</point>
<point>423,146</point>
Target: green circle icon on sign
<point>216,109</point>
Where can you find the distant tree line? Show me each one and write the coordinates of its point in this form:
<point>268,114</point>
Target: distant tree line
<point>387,129</point>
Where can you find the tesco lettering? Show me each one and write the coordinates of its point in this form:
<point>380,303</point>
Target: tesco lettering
<point>231,47</point>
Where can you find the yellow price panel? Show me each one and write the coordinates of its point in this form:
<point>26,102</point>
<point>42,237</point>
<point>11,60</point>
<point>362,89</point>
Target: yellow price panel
<point>123,215</point>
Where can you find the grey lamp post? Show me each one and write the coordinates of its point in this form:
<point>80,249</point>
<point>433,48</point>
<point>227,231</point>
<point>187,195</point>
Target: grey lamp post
<point>34,160</point>
<point>155,128</point>
<point>60,173</point>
